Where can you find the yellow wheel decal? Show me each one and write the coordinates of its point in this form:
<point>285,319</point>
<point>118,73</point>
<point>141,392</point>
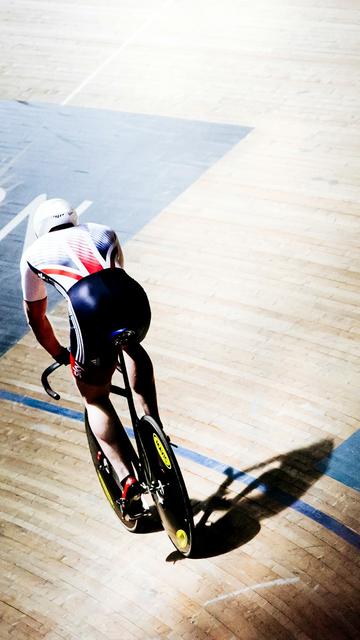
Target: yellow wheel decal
<point>106,490</point>
<point>181,538</point>
<point>161,451</point>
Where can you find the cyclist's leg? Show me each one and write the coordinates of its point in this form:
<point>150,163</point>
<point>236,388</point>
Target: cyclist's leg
<point>137,316</point>
<point>93,362</point>
<point>118,299</point>
<point>106,426</point>
<point>141,377</point>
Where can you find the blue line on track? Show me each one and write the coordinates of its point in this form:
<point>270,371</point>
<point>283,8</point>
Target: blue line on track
<point>330,523</point>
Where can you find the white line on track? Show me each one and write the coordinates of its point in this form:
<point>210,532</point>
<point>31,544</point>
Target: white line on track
<point>30,208</point>
<point>29,211</point>
<point>114,55</point>
<point>81,208</point>
<point>261,585</point>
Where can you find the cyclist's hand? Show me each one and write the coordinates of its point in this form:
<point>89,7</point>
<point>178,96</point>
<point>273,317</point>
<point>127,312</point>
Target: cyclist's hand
<point>63,357</point>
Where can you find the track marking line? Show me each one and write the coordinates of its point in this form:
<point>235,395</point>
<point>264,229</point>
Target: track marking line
<point>29,209</point>
<point>114,55</point>
<point>260,585</point>
<point>81,208</point>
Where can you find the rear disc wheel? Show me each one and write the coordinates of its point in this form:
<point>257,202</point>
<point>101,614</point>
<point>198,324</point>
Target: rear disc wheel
<point>166,484</point>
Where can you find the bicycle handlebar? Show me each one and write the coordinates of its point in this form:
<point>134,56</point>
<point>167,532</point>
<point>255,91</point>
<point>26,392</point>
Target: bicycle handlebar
<point>120,337</point>
<point>45,382</point>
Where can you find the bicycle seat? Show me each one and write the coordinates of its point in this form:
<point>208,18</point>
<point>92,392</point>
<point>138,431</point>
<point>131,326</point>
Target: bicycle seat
<point>122,336</point>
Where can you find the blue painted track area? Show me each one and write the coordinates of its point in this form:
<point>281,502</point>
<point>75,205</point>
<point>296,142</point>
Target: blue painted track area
<point>130,166</point>
<point>343,465</point>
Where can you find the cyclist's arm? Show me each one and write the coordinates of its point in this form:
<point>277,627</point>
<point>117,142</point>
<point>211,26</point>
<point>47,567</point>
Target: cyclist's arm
<point>38,321</point>
<point>119,256</point>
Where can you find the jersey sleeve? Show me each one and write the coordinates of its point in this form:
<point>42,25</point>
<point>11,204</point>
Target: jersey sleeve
<point>33,287</point>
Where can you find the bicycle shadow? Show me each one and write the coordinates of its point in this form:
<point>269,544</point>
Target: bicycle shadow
<point>289,478</point>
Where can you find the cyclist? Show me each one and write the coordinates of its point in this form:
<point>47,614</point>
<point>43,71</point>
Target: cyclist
<point>85,263</point>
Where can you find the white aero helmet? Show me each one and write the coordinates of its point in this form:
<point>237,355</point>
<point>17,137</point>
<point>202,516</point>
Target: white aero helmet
<point>53,213</point>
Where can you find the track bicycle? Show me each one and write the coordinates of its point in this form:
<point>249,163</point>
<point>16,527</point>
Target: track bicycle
<point>154,462</point>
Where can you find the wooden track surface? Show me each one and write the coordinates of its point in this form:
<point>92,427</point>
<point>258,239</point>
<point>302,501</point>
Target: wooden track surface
<point>253,276</point>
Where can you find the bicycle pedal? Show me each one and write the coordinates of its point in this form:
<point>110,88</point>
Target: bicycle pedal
<point>142,513</point>
<point>133,516</point>
<point>133,511</point>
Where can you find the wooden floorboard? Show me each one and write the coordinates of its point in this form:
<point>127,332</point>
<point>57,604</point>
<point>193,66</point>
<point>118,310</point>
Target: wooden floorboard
<point>253,277</point>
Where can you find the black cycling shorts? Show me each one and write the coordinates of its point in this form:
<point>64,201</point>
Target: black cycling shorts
<point>98,305</point>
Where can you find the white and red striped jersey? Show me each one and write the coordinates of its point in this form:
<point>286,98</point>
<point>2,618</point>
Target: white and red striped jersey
<point>65,256</point>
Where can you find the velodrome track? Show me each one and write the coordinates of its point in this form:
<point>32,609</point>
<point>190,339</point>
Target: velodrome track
<point>221,140</point>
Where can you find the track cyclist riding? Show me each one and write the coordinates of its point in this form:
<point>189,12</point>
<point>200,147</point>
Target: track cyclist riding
<point>154,462</point>
<point>85,263</point>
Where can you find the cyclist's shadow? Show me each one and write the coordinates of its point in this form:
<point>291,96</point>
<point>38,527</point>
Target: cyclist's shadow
<point>289,477</point>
